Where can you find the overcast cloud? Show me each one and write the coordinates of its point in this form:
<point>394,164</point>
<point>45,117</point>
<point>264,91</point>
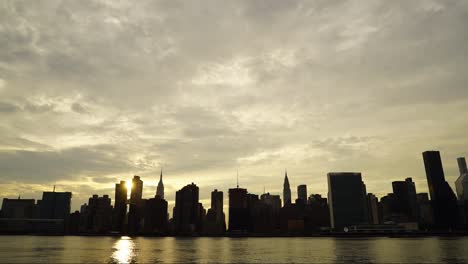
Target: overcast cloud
<point>93,92</point>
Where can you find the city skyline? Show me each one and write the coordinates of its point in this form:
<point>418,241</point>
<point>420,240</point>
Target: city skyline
<point>130,184</point>
<point>94,93</point>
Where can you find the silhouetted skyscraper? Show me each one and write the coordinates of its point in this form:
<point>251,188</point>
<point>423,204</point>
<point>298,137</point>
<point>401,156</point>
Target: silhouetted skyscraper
<point>137,190</point>
<point>373,205</point>
<point>405,200</point>
<point>286,190</point>
<point>187,210</point>
<point>98,214</point>
<point>217,204</point>
<point>317,213</point>
<point>443,199</point>
<point>271,211</point>
<point>136,205</point>
<point>120,207</point>
<point>238,210</point>
<point>302,193</point>
<point>347,200</point>
<point>155,216</point>
<point>215,223</point>
<point>160,189</point>
<point>461,183</point>
<point>55,205</point>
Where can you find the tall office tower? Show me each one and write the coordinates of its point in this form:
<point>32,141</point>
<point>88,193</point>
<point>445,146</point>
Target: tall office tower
<point>317,214</point>
<point>98,214</point>
<point>136,206</point>
<point>120,207</point>
<point>238,210</point>
<point>405,200</point>
<point>187,210</point>
<point>217,205</point>
<point>286,190</point>
<point>155,216</point>
<point>160,189</point>
<point>373,205</point>
<point>273,207</point>
<point>302,193</point>
<point>215,221</point>
<point>252,206</point>
<point>137,190</point>
<point>347,200</point>
<point>55,205</point>
<point>443,199</point>
<point>461,183</point>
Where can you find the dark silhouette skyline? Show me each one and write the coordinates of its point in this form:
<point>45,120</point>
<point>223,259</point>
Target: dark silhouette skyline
<point>349,209</point>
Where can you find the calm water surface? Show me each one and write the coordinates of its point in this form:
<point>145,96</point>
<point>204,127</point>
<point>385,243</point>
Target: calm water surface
<point>37,249</point>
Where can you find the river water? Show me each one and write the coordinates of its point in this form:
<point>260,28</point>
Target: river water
<point>43,249</point>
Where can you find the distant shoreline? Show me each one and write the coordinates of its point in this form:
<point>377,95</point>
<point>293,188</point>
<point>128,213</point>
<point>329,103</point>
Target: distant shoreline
<point>331,235</point>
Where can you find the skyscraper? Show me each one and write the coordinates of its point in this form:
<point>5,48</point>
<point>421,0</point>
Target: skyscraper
<point>373,205</point>
<point>98,214</point>
<point>302,193</point>
<point>461,183</point>
<point>155,216</point>
<point>286,190</point>
<point>136,205</point>
<point>443,199</point>
<point>55,205</point>
<point>405,199</point>
<point>347,200</point>
<point>217,204</point>
<point>215,221</point>
<point>187,210</point>
<point>160,189</point>
<point>137,190</point>
<point>120,207</point>
<point>238,210</point>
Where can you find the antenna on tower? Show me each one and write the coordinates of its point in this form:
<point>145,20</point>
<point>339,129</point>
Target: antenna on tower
<point>54,188</point>
<point>238,178</point>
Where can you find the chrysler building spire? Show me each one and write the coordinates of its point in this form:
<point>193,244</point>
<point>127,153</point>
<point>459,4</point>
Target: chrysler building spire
<point>286,190</point>
<point>160,189</point>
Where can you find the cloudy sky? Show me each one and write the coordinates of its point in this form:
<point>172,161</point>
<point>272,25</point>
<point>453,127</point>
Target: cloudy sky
<point>93,92</point>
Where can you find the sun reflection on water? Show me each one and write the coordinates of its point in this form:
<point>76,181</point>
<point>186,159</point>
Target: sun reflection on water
<point>124,251</point>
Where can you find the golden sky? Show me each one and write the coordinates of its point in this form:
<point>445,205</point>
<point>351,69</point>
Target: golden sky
<point>94,92</point>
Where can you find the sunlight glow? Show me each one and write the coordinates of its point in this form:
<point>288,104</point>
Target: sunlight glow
<point>129,185</point>
<point>124,250</point>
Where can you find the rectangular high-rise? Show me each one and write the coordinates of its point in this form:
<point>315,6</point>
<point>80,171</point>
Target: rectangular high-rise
<point>238,210</point>
<point>120,207</point>
<point>347,200</point>
<point>443,199</point>
<point>55,205</point>
<point>302,193</point>
<point>135,213</point>
<point>155,216</point>
<point>187,210</point>
<point>215,223</point>
<point>405,199</point>
<point>98,214</point>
